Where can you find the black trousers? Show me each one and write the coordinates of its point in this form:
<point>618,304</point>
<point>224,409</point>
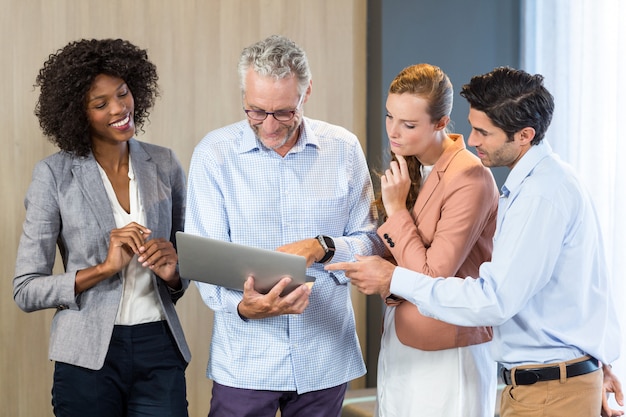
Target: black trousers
<point>143,375</point>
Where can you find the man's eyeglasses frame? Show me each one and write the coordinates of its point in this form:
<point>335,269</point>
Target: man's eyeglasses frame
<point>280,116</point>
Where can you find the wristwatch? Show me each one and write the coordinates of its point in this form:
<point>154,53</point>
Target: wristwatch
<point>329,248</point>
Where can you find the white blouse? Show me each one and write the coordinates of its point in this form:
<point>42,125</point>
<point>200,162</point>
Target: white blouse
<point>140,303</point>
<point>425,170</point>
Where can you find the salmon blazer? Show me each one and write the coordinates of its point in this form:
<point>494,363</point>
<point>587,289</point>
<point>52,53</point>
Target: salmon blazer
<point>448,233</point>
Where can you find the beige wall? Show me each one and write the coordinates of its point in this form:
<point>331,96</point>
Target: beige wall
<point>195,45</point>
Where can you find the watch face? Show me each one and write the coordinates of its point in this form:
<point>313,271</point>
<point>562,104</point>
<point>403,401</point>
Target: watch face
<point>329,248</point>
<point>323,242</point>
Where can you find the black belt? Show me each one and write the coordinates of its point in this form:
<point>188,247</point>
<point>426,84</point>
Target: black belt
<point>550,373</point>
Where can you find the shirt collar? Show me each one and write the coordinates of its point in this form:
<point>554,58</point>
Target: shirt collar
<point>525,166</point>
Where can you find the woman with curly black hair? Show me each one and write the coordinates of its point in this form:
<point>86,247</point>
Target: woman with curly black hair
<point>112,205</point>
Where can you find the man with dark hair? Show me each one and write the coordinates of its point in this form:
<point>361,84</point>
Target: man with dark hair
<point>546,290</point>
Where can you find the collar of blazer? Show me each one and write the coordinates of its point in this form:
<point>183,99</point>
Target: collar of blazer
<point>438,169</point>
<point>86,172</point>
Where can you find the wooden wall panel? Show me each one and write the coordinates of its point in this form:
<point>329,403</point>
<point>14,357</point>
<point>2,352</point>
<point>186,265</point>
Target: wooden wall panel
<point>195,45</point>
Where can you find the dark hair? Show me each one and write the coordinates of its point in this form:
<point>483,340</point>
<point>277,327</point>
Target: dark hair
<point>513,99</point>
<point>66,77</point>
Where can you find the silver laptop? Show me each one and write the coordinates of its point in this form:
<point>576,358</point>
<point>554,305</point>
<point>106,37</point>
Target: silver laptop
<point>229,264</point>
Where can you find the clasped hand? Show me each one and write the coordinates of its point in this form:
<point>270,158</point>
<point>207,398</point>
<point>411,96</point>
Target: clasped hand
<point>134,239</point>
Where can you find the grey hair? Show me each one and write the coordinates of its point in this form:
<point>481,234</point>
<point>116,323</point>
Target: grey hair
<point>278,57</point>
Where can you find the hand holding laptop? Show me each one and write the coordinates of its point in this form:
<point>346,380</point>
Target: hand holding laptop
<point>255,305</point>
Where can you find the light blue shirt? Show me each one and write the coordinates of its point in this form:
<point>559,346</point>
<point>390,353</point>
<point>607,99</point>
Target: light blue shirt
<point>241,192</point>
<point>546,290</point>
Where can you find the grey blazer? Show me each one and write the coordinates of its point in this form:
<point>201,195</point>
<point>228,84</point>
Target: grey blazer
<point>67,205</point>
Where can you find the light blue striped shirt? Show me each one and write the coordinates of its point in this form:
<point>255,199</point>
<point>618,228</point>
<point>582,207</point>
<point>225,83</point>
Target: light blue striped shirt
<point>546,291</point>
<point>240,191</point>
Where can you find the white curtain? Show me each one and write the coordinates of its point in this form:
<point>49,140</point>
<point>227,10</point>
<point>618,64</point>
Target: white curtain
<point>580,48</point>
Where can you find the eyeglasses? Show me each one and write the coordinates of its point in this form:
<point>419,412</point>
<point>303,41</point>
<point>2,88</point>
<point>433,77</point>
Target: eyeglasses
<point>281,115</point>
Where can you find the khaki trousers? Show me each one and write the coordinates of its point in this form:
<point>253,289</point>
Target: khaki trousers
<point>579,396</point>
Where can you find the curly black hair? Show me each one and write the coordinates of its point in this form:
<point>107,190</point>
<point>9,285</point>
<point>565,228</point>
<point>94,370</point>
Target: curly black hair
<point>66,77</point>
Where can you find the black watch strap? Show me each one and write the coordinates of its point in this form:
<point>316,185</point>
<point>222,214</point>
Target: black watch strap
<point>329,248</point>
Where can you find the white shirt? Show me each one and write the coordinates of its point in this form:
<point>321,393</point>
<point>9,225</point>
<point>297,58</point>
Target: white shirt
<point>139,302</point>
<point>425,171</point>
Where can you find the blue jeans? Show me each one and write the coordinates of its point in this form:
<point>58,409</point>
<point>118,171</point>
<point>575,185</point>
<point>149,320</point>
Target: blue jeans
<point>143,375</point>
